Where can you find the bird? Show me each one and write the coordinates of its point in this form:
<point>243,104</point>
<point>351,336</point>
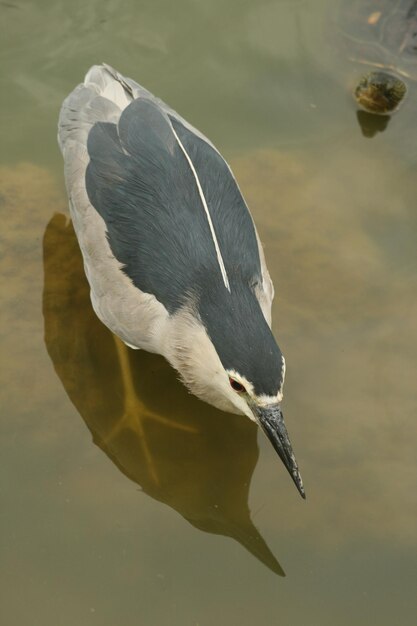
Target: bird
<point>170,249</point>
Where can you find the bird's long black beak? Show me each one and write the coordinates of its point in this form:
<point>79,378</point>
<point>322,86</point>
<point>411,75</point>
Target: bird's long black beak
<point>272,421</point>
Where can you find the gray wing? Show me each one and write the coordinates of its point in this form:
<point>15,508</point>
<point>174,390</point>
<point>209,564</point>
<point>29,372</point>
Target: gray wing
<point>129,180</point>
<point>142,185</point>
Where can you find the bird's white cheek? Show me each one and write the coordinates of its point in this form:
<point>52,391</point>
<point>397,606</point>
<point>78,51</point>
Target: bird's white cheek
<point>249,413</point>
<point>225,398</point>
<point>240,403</point>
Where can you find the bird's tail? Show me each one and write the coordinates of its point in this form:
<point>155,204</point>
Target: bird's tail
<point>100,98</point>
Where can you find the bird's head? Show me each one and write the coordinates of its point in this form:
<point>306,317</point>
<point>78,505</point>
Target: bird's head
<point>237,366</point>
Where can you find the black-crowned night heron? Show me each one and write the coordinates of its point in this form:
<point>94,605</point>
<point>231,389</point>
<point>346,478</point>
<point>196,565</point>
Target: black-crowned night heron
<point>170,249</point>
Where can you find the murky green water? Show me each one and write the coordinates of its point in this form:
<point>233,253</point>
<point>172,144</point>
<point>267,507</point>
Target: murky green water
<point>124,499</point>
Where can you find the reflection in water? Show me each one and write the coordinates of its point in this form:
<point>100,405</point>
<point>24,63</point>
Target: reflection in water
<point>372,124</point>
<point>179,450</point>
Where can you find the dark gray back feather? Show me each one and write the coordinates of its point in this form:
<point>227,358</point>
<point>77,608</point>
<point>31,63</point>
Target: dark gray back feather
<point>140,182</point>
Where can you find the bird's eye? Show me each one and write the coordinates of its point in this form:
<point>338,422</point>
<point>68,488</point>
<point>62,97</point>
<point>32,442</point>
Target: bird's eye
<point>236,386</point>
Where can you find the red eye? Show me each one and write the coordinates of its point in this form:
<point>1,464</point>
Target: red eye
<point>236,386</point>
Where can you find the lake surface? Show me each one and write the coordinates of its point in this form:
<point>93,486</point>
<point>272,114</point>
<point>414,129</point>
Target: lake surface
<point>124,500</point>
